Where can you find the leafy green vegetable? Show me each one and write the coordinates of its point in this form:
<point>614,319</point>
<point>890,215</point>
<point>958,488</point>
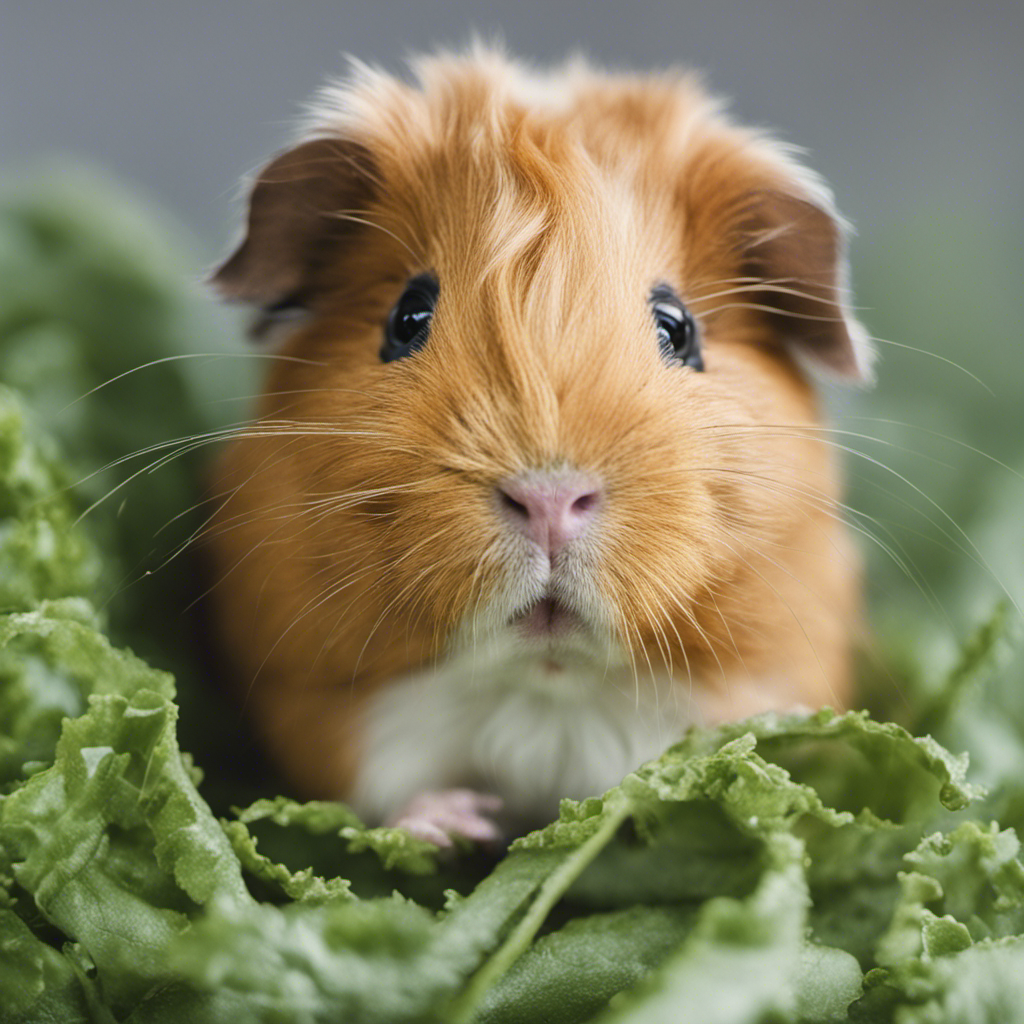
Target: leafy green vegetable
<point>51,660</point>
<point>571,974</point>
<point>790,868</point>
<point>41,557</point>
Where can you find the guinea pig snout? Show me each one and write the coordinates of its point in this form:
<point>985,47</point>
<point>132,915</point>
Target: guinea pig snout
<point>551,508</point>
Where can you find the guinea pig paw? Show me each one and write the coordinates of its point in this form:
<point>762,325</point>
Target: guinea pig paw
<point>441,815</point>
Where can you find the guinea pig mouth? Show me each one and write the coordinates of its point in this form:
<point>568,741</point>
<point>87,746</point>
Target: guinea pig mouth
<point>545,619</point>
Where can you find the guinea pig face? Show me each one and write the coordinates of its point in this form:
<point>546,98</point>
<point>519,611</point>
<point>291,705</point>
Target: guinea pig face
<point>548,396</point>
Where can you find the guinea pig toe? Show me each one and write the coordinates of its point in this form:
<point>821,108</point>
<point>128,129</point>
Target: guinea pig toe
<point>422,828</point>
<point>440,816</point>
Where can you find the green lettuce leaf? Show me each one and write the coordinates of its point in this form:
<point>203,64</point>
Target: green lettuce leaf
<point>51,660</point>
<point>41,984</point>
<point>41,556</point>
<point>759,940</point>
<point>570,974</point>
<point>115,844</point>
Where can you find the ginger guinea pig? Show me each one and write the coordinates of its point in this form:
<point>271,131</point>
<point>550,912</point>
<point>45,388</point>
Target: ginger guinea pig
<point>538,478</point>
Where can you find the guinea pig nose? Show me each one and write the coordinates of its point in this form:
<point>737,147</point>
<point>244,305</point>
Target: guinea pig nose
<point>551,508</point>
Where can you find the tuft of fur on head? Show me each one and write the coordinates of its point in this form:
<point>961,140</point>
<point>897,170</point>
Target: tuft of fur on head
<point>358,532</point>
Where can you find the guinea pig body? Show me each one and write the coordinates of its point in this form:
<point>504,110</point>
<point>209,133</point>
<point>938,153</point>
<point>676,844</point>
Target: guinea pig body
<point>539,478</point>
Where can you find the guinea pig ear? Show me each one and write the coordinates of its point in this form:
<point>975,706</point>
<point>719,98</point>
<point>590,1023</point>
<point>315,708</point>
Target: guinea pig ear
<point>797,247</point>
<point>294,224</point>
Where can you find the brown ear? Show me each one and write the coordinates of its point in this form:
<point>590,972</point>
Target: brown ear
<point>797,247</point>
<point>294,222</point>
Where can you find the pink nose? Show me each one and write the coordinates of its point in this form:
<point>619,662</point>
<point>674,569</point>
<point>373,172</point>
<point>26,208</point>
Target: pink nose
<point>551,508</point>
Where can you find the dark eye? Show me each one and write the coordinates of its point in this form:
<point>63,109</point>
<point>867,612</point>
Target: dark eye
<point>408,324</point>
<point>677,332</point>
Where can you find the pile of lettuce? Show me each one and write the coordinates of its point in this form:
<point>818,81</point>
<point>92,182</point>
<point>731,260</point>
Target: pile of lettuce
<point>808,868</point>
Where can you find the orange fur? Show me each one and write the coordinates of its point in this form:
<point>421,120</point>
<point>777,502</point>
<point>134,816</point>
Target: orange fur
<point>356,530</point>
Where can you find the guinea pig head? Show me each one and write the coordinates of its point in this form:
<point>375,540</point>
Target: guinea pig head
<point>546,391</point>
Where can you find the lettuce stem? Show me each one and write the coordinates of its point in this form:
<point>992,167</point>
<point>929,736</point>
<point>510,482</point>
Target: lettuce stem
<point>549,893</point>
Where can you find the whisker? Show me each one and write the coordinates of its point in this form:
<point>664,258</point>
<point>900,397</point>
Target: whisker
<point>762,308</point>
<point>755,285</point>
<point>212,356</point>
<point>398,597</point>
<point>832,507</point>
<point>971,549</point>
<point>354,219</point>
<point>942,437</point>
<point>935,355</point>
<point>792,612</point>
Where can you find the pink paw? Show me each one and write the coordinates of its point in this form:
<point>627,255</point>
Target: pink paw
<point>440,815</point>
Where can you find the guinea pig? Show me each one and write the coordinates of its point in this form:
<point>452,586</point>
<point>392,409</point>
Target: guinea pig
<point>538,477</point>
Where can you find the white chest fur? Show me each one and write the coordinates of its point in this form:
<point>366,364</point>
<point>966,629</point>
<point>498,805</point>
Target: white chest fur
<point>503,722</point>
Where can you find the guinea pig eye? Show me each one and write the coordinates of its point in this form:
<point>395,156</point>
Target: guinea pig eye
<point>677,332</point>
<point>408,324</point>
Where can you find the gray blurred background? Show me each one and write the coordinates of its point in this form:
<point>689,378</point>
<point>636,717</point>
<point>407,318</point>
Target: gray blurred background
<point>912,111</point>
<point>908,109</point>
